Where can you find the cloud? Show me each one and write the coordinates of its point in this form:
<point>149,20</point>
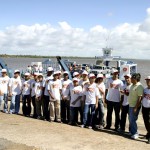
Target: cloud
<point>127,40</point>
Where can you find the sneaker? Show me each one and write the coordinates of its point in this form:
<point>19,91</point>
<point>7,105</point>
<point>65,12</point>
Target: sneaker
<point>6,111</point>
<point>90,127</point>
<point>82,126</point>
<point>135,136</point>
<point>120,130</point>
<point>101,127</point>
<point>107,127</point>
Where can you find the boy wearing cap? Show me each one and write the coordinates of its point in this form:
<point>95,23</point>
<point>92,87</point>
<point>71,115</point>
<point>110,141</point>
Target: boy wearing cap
<point>91,94</point>
<point>75,101</point>
<point>26,95</point>
<point>134,99</point>
<point>146,108</point>
<point>46,94</point>
<point>125,103</point>
<point>99,113</point>
<point>14,87</point>
<point>4,80</point>
<point>54,89</point>
<point>65,101</point>
<point>112,99</point>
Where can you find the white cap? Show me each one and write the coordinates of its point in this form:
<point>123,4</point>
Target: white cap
<point>16,71</point>
<point>59,72</point>
<point>127,75</point>
<point>76,79</point>
<point>114,71</point>
<point>147,78</point>
<point>65,72</point>
<point>27,74</point>
<point>40,74</point>
<point>36,73</point>
<point>85,72</point>
<point>100,76</point>
<point>50,69</point>
<point>91,75</point>
<point>55,72</point>
<point>4,70</point>
<point>75,74</point>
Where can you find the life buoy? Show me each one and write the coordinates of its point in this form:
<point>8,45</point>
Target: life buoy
<point>125,69</point>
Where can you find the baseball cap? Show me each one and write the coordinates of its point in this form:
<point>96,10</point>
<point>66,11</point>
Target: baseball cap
<point>27,74</point>
<point>55,72</point>
<point>50,69</point>
<point>85,72</point>
<point>114,71</point>
<point>59,72</point>
<point>4,70</point>
<point>75,74</point>
<point>76,79</point>
<point>36,73</point>
<point>100,76</point>
<point>40,74</point>
<point>147,78</point>
<point>65,72</point>
<point>127,75</point>
<point>91,75</point>
<point>16,71</point>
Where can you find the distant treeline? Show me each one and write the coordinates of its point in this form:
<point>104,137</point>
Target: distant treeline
<point>38,56</point>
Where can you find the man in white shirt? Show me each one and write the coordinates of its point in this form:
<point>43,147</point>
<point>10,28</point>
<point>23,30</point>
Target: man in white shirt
<point>15,86</point>
<point>54,89</point>
<point>65,98</point>
<point>124,102</point>
<point>4,80</point>
<point>113,97</point>
<point>46,94</point>
<point>26,94</point>
<point>75,101</point>
<point>146,108</point>
<point>91,95</point>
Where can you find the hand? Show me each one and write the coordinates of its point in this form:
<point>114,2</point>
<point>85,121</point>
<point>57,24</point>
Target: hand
<point>96,106</point>
<point>10,94</point>
<point>135,110</point>
<point>73,103</point>
<point>121,91</point>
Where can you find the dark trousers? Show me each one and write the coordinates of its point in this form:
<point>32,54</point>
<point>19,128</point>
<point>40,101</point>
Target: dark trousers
<point>110,107</point>
<point>74,114</point>
<point>124,112</point>
<point>65,110</point>
<point>26,107</point>
<point>146,117</point>
<point>34,107</point>
<point>46,111</point>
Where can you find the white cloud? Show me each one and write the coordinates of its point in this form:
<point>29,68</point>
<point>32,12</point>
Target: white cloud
<point>127,40</point>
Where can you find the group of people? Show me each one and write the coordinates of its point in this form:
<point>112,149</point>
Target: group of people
<point>79,101</point>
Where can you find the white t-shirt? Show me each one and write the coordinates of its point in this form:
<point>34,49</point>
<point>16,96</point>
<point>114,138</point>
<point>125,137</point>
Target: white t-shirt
<point>54,87</point>
<point>45,84</point>
<point>36,88</point>
<point>75,92</point>
<point>15,85</point>
<point>114,87</point>
<point>4,83</point>
<point>146,98</point>
<point>82,83</point>
<point>26,87</point>
<point>101,86</point>
<point>90,91</point>
<point>65,88</point>
<point>125,99</point>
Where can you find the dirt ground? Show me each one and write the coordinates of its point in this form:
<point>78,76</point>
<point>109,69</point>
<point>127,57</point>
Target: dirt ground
<point>22,133</point>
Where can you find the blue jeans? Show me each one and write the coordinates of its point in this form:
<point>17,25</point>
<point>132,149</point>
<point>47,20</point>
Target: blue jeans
<point>5,98</point>
<point>99,113</point>
<point>1,99</point>
<point>15,104</point>
<point>88,114</point>
<point>132,120</point>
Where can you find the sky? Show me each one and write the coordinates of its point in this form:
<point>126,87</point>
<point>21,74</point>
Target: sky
<point>75,27</point>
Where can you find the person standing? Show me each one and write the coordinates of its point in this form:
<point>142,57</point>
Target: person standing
<point>113,87</point>
<point>65,101</point>
<point>54,89</point>
<point>49,77</point>
<point>91,95</point>
<point>4,85</point>
<point>75,101</point>
<point>15,87</point>
<point>99,113</point>
<point>26,95</point>
<point>146,108</point>
<point>135,97</point>
<point>125,103</point>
